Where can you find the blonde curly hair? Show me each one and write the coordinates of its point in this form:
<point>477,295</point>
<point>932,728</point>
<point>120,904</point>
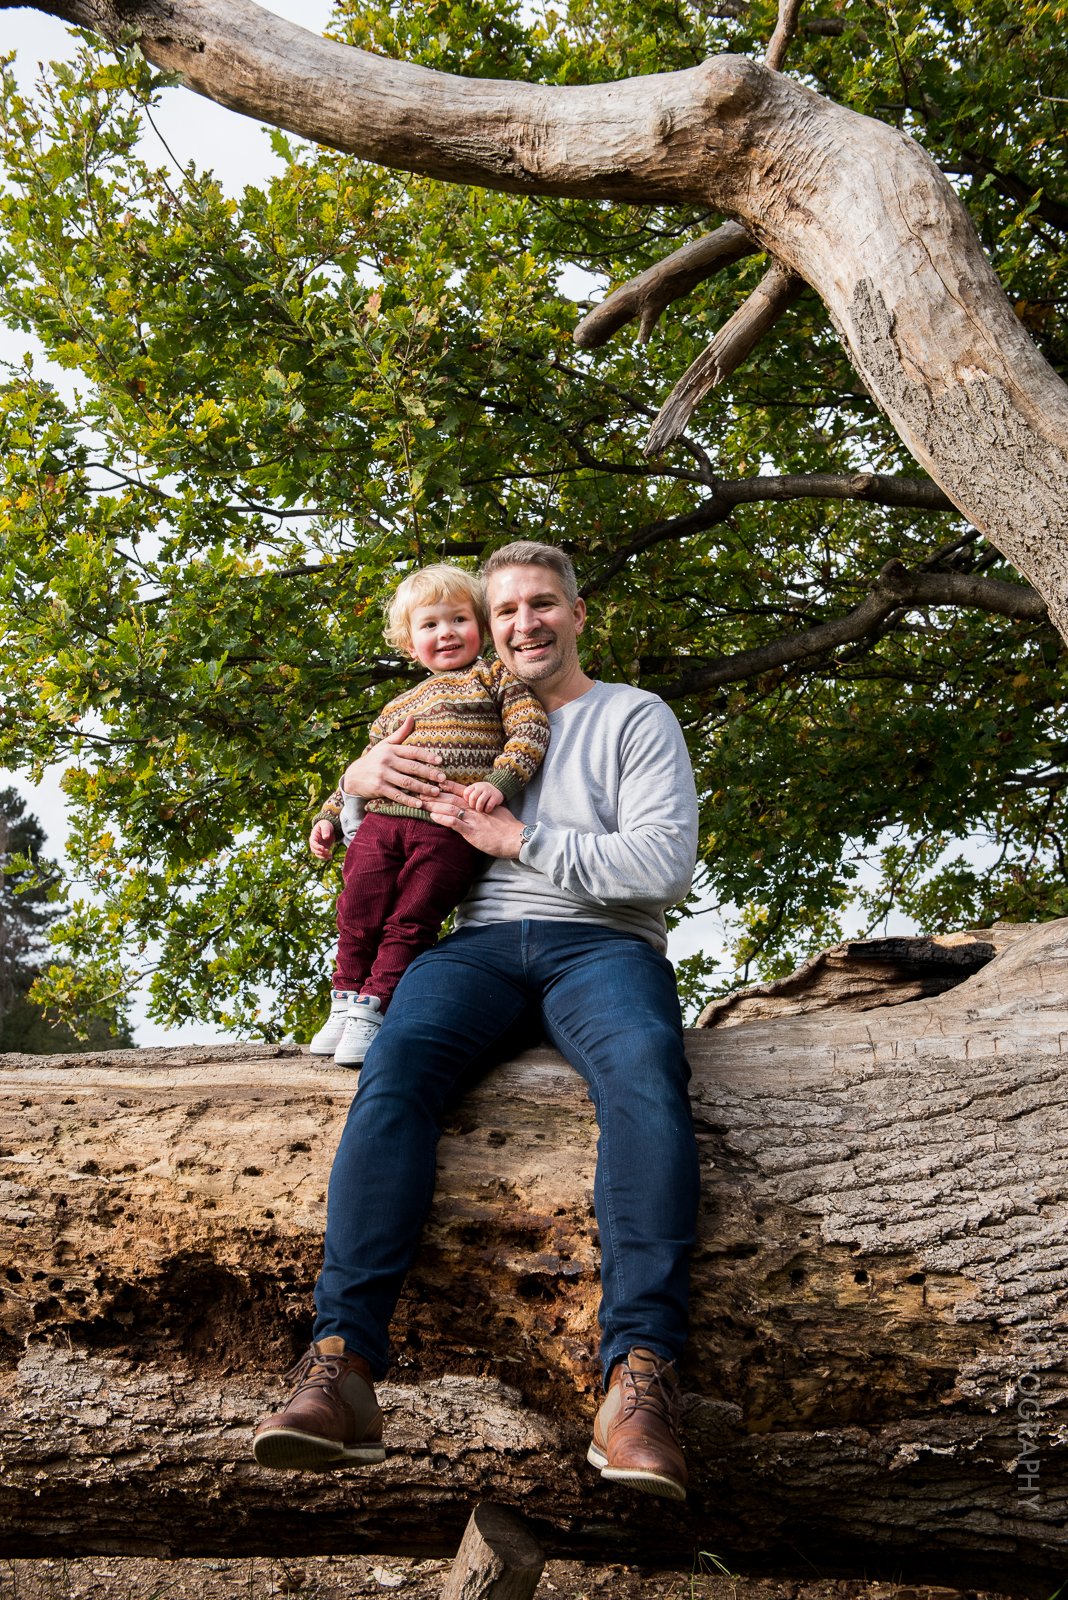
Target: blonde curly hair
<point>426,587</point>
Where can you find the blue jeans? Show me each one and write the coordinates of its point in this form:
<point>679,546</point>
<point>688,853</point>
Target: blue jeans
<point>608,1002</point>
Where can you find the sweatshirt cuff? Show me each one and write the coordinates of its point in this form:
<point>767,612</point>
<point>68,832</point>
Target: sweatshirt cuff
<point>509,783</point>
<point>538,848</point>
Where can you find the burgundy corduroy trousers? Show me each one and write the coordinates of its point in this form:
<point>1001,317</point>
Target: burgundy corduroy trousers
<point>402,877</point>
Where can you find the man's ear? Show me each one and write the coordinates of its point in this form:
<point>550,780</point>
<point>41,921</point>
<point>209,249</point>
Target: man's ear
<point>579,614</point>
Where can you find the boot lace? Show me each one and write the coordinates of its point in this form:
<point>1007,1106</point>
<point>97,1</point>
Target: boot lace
<point>649,1391</point>
<point>314,1371</point>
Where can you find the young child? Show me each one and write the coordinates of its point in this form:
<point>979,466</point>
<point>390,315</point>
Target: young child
<point>403,874</point>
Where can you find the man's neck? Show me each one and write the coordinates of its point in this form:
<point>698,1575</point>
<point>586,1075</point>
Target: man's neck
<point>555,695</point>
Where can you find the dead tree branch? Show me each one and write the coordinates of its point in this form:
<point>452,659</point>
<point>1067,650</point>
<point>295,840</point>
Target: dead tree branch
<point>651,291</point>
<point>734,342</point>
<point>853,206</point>
<point>785,28</point>
<point>880,1271</point>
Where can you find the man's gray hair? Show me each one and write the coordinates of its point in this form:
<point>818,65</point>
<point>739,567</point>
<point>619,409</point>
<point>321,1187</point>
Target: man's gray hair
<point>529,553</point>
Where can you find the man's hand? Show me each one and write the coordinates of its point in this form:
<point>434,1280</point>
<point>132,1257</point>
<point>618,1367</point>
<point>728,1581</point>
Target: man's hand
<point>386,771</point>
<point>483,796</point>
<point>322,839</point>
<point>495,833</point>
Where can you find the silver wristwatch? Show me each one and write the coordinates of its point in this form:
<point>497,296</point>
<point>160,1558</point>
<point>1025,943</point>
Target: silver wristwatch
<point>526,835</point>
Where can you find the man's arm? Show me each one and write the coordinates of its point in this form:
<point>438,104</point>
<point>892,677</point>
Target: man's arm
<point>648,860</point>
<point>388,771</point>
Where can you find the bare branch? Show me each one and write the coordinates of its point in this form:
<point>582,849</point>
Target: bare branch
<point>963,589</point>
<point>735,10</point>
<point>895,588</point>
<point>1054,780</point>
<point>737,338</point>
<point>877,488</point>
<point>647,295</point>
<point>504,134</point>
<point>785,28</point>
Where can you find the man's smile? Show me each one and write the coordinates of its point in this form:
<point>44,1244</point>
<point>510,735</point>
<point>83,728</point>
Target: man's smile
<point>534,644</point>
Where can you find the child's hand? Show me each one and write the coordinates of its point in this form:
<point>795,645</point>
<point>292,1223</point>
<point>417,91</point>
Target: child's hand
<point>483,796</point>
<point>321,840</point>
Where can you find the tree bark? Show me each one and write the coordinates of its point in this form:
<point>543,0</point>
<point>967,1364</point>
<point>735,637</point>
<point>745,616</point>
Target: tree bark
<point>730,347</point>
<point>498,1558</point>
<point>865,973</point>
<point>880,1299</point>
<point>853,207</point>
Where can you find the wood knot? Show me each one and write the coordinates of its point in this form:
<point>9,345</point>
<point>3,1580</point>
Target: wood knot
<point>733,85</point>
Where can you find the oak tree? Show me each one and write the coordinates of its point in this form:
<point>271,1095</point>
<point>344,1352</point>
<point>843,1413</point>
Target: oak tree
<point>286,398</point>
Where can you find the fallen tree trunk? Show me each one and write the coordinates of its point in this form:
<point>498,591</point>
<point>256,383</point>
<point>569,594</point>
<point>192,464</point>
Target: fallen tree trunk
<point>881,1288</point>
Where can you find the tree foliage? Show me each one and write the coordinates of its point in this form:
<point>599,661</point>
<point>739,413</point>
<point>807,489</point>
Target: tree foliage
<point>284,399</point>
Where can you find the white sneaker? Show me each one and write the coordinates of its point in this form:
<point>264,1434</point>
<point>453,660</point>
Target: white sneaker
<point>361,1026</point>
<point>325,1041</point>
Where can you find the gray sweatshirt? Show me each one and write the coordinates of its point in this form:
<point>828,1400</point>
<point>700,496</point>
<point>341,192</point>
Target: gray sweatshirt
<point>614,810</point>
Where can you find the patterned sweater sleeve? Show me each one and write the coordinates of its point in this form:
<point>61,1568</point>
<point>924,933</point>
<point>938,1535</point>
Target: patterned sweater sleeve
<point>526,731</point>
<point>331,809</point>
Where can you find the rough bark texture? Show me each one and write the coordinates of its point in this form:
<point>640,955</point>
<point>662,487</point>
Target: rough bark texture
<point>864,973</point>
<point>848,204</point>
<point>498,1558</point>
<point>881,1290</point>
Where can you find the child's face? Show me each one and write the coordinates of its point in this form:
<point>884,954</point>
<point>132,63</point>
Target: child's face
<point>445,634</point>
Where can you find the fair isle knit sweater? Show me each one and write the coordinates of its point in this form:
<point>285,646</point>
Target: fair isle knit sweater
<point>484,723</point>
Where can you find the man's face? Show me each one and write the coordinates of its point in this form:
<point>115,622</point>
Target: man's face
<point>534,627</point>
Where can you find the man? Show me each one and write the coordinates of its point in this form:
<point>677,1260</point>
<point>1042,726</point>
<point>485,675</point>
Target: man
<point>565,929</point>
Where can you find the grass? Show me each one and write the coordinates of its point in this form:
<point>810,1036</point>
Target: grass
<point>707,1565</point>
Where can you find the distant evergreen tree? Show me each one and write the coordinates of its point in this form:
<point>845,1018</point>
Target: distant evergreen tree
<point>25,914</point>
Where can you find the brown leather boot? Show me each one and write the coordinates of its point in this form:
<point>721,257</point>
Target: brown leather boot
<point>635,1434</point>
<point>330,1419</point>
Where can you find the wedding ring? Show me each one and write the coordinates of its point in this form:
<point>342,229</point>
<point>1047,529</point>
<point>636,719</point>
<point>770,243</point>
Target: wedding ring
<point>460,813</point>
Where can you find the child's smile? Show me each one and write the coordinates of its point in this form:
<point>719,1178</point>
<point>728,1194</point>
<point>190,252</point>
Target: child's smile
<point>446,635</point>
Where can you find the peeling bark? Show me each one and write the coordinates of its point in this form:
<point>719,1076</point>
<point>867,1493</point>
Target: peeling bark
<point>864,973</point>
<point>881,1293</point>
